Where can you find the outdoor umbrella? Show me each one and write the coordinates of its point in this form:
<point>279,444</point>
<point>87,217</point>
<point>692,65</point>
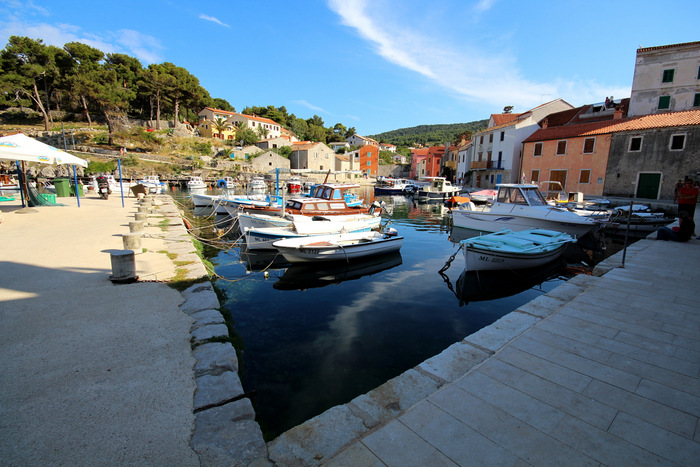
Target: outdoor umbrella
<point>20,147</point>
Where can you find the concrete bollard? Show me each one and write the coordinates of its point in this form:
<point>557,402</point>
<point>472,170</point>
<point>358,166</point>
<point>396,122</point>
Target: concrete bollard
<point>123,266</point>
<point>135,226</point>
<point>141,216</point>
<point>144,209</point>
<point>140,196</point>
<point>132,241</point>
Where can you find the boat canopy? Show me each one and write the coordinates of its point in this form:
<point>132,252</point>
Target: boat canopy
<point>528,195</point>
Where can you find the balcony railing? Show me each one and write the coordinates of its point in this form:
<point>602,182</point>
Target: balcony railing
<point>476,165</point>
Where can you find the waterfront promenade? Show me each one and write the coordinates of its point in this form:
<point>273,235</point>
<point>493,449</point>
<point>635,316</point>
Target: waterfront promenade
<point>603,370</point>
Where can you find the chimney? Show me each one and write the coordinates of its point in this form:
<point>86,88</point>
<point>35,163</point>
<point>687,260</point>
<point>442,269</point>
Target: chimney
<point>545,123</point>
<point>617,115</point>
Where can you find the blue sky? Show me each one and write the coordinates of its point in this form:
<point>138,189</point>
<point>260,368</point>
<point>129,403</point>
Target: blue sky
<point>376,65</point>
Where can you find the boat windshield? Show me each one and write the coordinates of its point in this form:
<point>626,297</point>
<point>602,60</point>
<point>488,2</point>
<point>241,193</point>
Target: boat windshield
<point>518,195</point>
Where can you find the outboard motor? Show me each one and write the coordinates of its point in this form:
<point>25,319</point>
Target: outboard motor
<point>390,232</point>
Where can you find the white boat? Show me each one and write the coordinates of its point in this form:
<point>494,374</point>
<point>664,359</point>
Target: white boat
<point>395,186</point>
<point>202,200</point>
<point>340,247</point>
<point>263,238</point>
<point>509,250</point>
<point>520,207</point>
<point>153,184</point>
<point>196,183</point>
<point>226,183</point>
<point>439,189</point>
<point>251,220</point>
<point>257,185</point>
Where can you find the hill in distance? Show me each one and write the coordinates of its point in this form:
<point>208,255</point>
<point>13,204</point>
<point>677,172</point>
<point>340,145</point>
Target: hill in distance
<point>429,135</point>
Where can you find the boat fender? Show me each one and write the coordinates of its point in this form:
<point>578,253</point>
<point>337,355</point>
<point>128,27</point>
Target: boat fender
<point>187,224</point>
<point>221,183</point>
<point>320,218</point>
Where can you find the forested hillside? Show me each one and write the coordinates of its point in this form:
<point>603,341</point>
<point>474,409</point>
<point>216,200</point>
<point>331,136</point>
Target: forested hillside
<point>429,135</point>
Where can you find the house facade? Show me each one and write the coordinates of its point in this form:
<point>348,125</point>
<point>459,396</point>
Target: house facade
<point>269,161</point>
<point>207,127</point>
<point>649,154</point>
<point>666,79</point>
<point>417,164</point>
<point>312,156</point>
<point>357,140</point>
<point>574,155</point>
<point>497,150</point>
<point>463,157</point>
<point>274,143</point>
<point>268,128</point>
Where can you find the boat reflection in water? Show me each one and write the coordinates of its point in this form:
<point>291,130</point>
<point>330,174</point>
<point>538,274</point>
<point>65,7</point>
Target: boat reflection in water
<point>262,260</point>
<point>476,286</point>
<point>301,276</point>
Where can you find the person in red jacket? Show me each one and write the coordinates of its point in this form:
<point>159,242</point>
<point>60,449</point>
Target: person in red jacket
<point>688,198</point>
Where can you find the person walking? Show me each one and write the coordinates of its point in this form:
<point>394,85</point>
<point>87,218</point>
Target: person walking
<point>688,198</point>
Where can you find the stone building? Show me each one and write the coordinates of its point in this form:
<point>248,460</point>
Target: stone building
<point>666,79</point>
<point>269,161</point>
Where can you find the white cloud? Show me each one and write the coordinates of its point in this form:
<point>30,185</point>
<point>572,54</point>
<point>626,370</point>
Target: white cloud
<point>484,5</point>
<point>213,20</point>
<point>476,75</point>
<point>142,46</point>
<point>311,106</point>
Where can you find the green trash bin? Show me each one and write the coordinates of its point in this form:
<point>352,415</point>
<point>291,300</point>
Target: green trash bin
<point>62,187</point>
<point>80,190</point>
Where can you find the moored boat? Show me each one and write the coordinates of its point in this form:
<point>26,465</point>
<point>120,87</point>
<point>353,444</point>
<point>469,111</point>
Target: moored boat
<point>513,250</point>
<point>339,247</point>
<point>519,207</point>
<point>439,189</point>
<point>263,238</point>
<point>196,183</point>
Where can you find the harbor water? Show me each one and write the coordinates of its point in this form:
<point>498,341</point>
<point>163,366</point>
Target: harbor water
<point>315,336</point>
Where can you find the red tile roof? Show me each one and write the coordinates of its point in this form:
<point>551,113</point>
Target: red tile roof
<point>502,119</point>
<point>642,122</point>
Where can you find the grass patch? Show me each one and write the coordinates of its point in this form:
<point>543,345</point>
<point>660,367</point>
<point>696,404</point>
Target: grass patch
<point>182,263</point>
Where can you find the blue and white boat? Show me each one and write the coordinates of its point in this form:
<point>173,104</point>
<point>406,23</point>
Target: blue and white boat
<point>507,250</point>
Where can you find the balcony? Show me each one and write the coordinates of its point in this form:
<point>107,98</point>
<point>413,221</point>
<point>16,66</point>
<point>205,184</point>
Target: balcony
<point>481,165</point>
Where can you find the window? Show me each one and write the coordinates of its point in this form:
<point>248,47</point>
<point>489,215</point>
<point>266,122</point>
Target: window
<point>561,147</point>
<point>635,144</point>
<point>369,163</point>
<point>677,142</point>
<point>699,72</point>
<point>500,159</point>
<point>667,76</point>
<point>491,138</point>
<point>535,176</point>
<point>696,101</point>
<point>481,139</point>
<point>588,145</point>
<point>538,149</point>
<point>503,135</point>
<point>664,102</point>
<point>585,176</point>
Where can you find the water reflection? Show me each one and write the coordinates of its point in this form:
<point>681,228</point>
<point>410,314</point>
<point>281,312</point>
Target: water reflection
<point>308,276</point>
<point>476,286</point>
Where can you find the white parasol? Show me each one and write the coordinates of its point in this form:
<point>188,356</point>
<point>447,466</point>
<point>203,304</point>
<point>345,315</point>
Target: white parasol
<point>20,147</point>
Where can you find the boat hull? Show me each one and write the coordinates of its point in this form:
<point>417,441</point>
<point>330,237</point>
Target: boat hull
<point>488,222</point>
<point>341,247</point>
<point>509,250</point>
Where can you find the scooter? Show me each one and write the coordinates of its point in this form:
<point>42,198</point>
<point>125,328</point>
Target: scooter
<point>103,187</point>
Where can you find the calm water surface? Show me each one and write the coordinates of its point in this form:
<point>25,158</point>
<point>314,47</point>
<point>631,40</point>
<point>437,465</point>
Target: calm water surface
<point>318,336</point>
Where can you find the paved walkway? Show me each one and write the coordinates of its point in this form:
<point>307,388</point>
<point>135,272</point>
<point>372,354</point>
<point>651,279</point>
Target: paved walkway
<point>600,371</point>
<point>91,373</point>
